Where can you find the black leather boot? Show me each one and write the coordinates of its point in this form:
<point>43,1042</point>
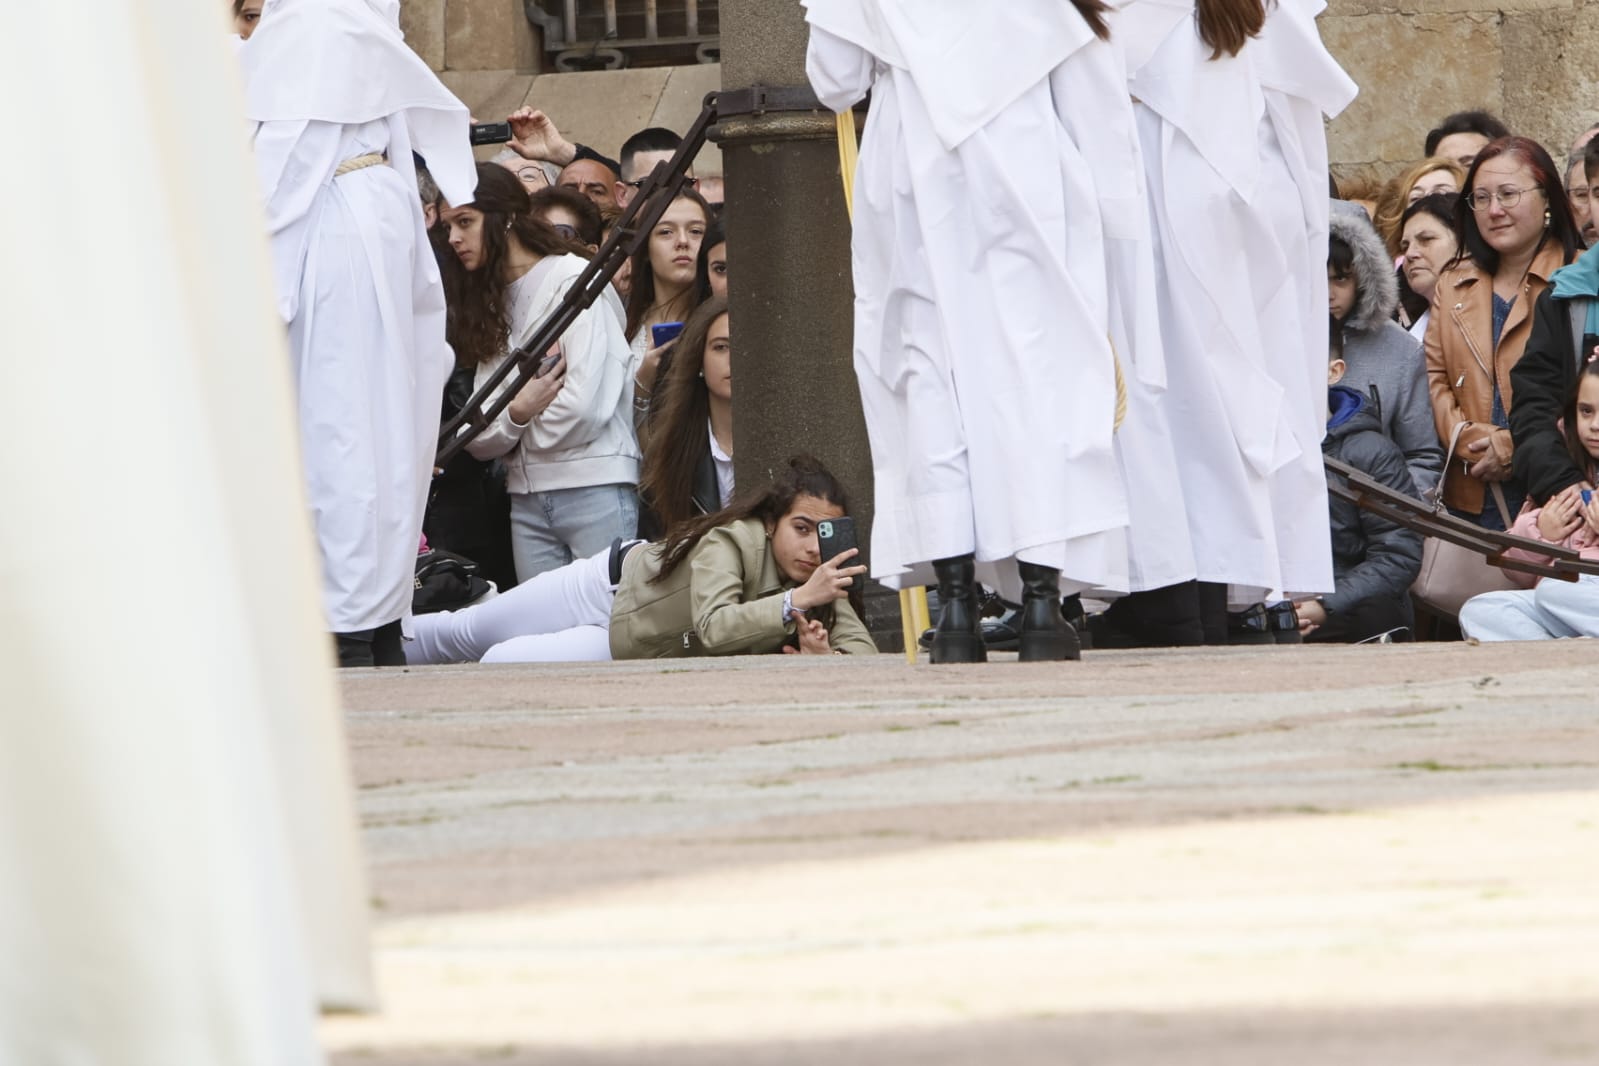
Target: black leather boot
<point>958,637</point>
<point>1046,635</point>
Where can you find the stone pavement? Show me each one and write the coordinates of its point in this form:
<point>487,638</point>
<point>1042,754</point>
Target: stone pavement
<point>1265,855</point>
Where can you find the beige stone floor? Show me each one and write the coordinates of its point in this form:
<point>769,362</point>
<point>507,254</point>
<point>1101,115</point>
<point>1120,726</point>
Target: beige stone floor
<point>1279,855</point>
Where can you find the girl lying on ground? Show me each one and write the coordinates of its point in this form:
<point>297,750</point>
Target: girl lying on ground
<point>1554,608</point>
<point>746,579</point>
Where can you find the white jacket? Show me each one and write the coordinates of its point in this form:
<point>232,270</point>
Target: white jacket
<point>586,436</point>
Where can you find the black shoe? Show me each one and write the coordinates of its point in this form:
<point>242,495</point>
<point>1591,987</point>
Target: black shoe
<point>958,637</point>
<point>1046,636</point>
<point>1252,625</point>
<point>1004,633</point>
<point>1284,623</point>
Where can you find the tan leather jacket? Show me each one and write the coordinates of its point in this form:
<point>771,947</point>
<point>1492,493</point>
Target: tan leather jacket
<point>1463,364</point>
<point>726,598</point>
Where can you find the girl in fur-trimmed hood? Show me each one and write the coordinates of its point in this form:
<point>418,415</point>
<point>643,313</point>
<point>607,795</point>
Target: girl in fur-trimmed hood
<point>1384,361</point>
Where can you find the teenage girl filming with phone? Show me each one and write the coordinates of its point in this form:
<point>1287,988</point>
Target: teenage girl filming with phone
<point>748,579</point>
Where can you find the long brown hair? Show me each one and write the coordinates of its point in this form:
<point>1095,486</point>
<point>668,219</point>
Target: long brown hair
<point>479,325</point>
<point>1093,12</point>
<point>1227,25</point>
<point>681,435</point>
<point>804,476</point>
<point>641,293</point>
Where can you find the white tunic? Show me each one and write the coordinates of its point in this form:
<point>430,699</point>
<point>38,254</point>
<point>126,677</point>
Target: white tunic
<point>1093,106</point>
<point>985,372</point>
<point>356,280</point>
<point>1243,279</point>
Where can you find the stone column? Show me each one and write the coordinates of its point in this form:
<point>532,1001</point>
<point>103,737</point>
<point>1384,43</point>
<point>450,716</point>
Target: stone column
<point>791,296</point>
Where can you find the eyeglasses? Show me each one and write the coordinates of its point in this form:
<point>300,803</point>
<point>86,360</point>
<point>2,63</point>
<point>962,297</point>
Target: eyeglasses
<point>1508,196</point>
<point>569,232</point>
<point>1580,194</point>
<point>533,174</point>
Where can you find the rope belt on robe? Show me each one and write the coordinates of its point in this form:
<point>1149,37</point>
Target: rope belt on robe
<point>360,162</point>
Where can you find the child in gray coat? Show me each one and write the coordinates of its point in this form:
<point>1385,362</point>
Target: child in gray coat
<point>1384,362</point>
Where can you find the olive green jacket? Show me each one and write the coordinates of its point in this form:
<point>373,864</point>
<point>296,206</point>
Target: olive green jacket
<point>726,598</point>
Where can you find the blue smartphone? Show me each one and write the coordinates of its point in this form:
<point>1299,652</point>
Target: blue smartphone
<point>1587,497</point>
<point>666,331</point>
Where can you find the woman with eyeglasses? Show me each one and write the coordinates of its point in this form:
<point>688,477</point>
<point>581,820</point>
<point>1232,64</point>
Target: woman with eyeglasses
<point>1516,229</point>
<point>567,438</point>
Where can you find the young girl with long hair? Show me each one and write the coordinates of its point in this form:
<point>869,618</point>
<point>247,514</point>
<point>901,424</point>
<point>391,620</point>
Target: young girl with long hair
<point>665,285</point>
<point>567,438</point>
<point>1555,608</point>
<point>748,578</point>
<point>688,454</point>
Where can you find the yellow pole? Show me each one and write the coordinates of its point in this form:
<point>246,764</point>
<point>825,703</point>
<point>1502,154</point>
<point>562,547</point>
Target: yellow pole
<point>913,613</point>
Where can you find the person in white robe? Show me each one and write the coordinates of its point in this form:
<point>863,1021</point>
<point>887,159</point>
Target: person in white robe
<point>1163,607</point>
<point>986,375</point>
<point>181,881</point>
<point>338,103</point>
<point>1236,162</point>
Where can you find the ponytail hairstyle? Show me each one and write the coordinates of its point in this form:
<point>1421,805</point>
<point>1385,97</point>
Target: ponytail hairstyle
<point>479,324</point>
<point>1227,25</point>
<point>1579,455</point>
<point>804,476</point>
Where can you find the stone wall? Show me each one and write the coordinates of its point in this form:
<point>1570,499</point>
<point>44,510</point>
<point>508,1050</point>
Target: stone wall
<point>489,56</point>
<point>1534,63</point>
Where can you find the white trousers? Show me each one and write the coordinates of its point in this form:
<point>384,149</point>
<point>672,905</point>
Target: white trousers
<point>561,615</point>
<point>1552,609</point>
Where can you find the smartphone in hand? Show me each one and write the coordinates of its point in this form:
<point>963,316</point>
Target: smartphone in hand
<point>835,535</point>
<point>665,332</point>
<point>549,363</point>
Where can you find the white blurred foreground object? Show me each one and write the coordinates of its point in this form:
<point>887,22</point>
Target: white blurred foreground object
<point>180,876</point>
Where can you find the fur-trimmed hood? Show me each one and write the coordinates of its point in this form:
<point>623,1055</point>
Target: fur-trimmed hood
<point>1376,282</point>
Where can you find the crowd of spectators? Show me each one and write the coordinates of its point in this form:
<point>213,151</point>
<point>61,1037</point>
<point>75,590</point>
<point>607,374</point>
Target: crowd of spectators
<point>1451,288</point>
<point>1439,288</point>
<point>1463,318</point>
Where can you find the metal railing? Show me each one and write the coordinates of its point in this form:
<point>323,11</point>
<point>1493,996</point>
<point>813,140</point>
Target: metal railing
<point>590,34</point>
<point>627,236</point>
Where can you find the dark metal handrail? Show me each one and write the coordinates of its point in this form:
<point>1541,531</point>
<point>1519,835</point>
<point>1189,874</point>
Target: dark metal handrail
<point>1404,510</point>
<point>629,233</point>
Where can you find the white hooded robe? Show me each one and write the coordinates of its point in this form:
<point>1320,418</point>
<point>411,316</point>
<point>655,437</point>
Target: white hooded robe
<point>986,375</point>
<point>1235,157</point>
<point>328,81</point>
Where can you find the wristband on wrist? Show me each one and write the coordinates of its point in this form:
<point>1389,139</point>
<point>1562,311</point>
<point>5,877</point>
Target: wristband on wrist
<point>789,610</point>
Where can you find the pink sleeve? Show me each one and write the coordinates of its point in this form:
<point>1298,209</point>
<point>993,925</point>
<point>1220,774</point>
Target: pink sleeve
<point>1526,525</point>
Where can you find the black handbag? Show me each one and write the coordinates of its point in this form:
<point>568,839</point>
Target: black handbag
<point>445,582</point>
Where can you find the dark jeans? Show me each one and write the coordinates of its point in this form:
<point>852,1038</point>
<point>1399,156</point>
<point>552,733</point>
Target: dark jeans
<point>1368,619</point>
<point>371,647</point>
